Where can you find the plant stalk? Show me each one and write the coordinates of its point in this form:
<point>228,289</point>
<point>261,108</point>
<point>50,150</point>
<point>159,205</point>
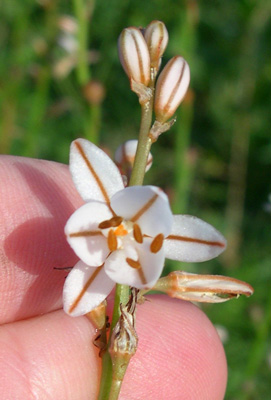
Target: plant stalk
<point>110,385</point>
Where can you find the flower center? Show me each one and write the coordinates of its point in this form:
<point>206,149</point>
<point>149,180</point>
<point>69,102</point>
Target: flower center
<point>115,229</point>
<point>121,231</point>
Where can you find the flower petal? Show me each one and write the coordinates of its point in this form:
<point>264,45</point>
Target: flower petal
<point>136,266</point>
<point>95,175</point>
<point>147,206</point>
<point>83,233</point>
<point>203,288</point>
<point>85,288</point>
<point>193,240</point>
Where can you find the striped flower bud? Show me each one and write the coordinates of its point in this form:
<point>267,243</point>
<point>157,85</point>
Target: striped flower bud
<point>202,288</point>
<point>171,88</point>
<point>134,55</point>
<point>156,36</point>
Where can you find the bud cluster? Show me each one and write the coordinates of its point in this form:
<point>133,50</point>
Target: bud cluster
<point>140,53</point>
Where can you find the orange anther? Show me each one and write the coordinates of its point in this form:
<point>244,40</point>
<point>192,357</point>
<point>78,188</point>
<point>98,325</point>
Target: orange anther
<point>109,223</point>
<point>138,234</point>
<point>112,240</point>
<point>121,231</point>
<point>133,263</point>
<point>157,243</point>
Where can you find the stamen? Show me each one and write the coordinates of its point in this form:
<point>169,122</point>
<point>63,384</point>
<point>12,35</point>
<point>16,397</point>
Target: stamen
<point>136,265</point>
<point>112,240</point>
<point>157,243</point>
<point>133,263</point>
<point>138,234</point>
<point>110,223</point>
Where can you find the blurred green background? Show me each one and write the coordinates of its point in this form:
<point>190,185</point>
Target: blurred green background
<point>60,78</point>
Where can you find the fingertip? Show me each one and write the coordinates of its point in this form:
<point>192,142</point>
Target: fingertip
<point>37,198</point>
<point>179,356</point>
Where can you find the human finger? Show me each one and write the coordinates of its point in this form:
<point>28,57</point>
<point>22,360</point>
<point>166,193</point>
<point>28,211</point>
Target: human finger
<point>37,198</point>
<point>179,356</point>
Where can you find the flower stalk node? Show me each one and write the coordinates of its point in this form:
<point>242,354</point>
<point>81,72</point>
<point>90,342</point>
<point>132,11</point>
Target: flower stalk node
<point>160,127</point>
<point>143,92</point>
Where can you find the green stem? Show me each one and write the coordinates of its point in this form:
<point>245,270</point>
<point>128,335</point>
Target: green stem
<point>106,377</point>
<point>144,145</point>
<point>115,389</point>
<point>121,297</point>
<point>122,291</point>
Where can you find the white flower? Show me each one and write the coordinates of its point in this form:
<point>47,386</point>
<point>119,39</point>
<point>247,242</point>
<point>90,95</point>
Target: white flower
<point>122,235</point>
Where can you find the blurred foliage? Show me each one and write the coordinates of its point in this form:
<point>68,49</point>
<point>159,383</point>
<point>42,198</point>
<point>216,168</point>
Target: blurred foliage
<point>216,161</point>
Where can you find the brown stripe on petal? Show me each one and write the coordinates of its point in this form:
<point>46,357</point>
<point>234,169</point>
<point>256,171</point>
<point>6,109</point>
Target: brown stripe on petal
<point>139,58</point>
<point>174,91</point>
<point>85,234</point>
<point>159,44</point>
<point>136,265</point>
<point>137,234</point>
<point>112,240</point>
<point>93,172</point>
<point>195,240</point>
<point>157,243</point>
<point>144,208</point>
<point>85,288</point>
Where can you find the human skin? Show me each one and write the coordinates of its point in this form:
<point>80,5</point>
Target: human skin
<point>46,354</point>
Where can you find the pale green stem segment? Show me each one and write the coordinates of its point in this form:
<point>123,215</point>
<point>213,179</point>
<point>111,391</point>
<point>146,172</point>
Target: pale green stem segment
<point>144,145</point>
<point>118,375</point>
<point>111,380</point>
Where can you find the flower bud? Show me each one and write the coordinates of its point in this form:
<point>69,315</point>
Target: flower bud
<point>202,288</point>
<point>134,55</point>
<point>171,88</point>
<point>125,155</point>
<point>156,36</point>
